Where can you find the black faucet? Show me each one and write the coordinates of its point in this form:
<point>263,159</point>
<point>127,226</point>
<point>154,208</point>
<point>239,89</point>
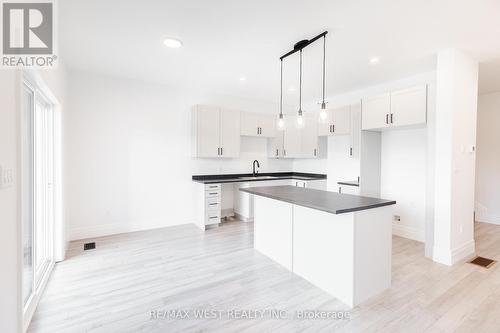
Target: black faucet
<point>258,166</point>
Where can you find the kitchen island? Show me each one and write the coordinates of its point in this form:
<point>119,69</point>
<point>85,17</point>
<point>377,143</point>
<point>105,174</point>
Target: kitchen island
<point>339,242</point>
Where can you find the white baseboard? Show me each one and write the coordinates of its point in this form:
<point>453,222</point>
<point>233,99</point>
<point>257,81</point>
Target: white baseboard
<point>408,232</point>
<point>112,229</point>
<point>487,218</point>
<point>453,256</point>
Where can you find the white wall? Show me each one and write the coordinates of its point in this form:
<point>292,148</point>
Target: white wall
<point>128,154</point>
<point>488,159</point>
<point>10,233</point>
<point>455,135</point>
<point>403,178</point>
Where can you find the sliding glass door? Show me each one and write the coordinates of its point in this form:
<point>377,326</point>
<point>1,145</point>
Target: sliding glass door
<point>37,191</point>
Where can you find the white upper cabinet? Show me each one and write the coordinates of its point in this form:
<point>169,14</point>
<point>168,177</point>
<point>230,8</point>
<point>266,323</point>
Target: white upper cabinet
<point>291,138</point>
<point>257,124</point>
<point>409,106</point>
<point>376,111</point>
<point>230,133</point>
<point>216,132</point>
<point>309,137</point>
<point>249,125</point>
<point>355,132</point>
<point>405,107</point>
<point>206,131</point>
<point>275,146</point>
<point>337,123</point>
<point>267,125</point>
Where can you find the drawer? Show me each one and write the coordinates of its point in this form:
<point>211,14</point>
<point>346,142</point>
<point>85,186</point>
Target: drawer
<point>212,218</point>
<point>212,193</point>
<point>212,203</point>
<point>211,187</point>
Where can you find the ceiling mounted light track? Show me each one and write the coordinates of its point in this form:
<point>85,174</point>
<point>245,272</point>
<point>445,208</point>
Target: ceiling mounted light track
<point>298,47</point>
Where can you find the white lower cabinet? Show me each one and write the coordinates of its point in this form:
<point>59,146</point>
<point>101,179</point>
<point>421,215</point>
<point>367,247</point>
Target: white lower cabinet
<point>347,189</point>
<point>207,204</point>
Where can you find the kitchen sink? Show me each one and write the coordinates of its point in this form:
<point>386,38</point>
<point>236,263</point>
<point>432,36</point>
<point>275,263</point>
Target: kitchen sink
<point>258,177</point>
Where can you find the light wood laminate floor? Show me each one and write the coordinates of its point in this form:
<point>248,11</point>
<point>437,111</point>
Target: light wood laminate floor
<point>114,288</point>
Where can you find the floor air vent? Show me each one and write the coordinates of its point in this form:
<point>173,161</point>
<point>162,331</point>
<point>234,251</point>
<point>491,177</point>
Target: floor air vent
<point>89,246</point>
<point>483,262</point>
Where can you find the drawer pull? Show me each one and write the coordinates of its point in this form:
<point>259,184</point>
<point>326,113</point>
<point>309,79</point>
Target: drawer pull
<point>213,217</point>
<point>213,204</point>
<point>212,193</point>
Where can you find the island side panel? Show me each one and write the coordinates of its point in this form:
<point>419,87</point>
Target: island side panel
<point>273,230</point>
<point>323,246</point>
<point>372,252</point>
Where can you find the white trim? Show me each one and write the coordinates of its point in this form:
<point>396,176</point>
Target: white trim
<point>94,231</point>
<point>408,232</point>
<point>458,254</point>
<point>487,218</point>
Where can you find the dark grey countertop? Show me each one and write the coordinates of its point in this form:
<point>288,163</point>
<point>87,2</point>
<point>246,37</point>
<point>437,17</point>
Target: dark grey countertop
<point>248,177</point>
<point>331,202</point>
<point>349,183</point>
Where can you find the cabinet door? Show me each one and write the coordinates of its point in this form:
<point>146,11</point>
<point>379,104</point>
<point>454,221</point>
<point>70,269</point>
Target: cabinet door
<point>375,112</point>
<point>208,128</point>
<point>266,124</point>
<point>309,138</point>
<point>249,125</point>
<point>291,138</point>
<point>325,126</point>
<point>409,106</point>
<point>341,120</point>
<point>230,133</point>
<point>355,132</point>
<point>275,146</point>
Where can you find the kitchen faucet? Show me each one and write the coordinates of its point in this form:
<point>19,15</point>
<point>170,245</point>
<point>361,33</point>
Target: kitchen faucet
<point>258,166</point>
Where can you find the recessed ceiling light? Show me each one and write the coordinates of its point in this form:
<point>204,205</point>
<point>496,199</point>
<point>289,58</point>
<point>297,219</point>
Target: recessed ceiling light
<point>172,43</point>
<point>374,60</point>
<point>291,89</point>
<point>243,79</point>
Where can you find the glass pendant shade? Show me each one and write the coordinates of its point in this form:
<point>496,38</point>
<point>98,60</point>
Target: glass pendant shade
<point>300,120</point>
<point>280,124</point>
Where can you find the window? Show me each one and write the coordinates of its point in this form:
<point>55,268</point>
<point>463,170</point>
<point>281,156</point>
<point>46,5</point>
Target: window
<point>37,192</point>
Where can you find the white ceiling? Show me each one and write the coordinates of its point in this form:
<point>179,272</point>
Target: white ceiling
<point>228,39</point>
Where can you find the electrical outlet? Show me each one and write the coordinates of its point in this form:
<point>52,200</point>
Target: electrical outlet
<point>397,218</point>
<point>6,177</point>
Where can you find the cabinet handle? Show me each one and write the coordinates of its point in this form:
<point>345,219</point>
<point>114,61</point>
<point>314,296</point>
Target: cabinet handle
<point>330,128</point>
<point>333,128</point>
<point>213,204</point>
<point>277,152</point>
<point>387,118</point>
<point>212,217</point>
<point>314,151</point>
<point>391,119</point>
<point>221,151</point>
<point>216,186</point>
<point>340,189</point>
<point>212,193</point>
<point>304,185</point>
<point>218,151</point>
<point>350,151</point>
<point>296,184</point>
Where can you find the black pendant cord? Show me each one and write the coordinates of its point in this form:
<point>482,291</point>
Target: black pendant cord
<point>281,90</point>
<point>300,84</point>
<point>324,69</point>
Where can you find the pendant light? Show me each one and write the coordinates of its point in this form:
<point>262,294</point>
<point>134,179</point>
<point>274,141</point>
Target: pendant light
<point>300,116</point>
<point>281,121</point>
<point>323,115</point>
